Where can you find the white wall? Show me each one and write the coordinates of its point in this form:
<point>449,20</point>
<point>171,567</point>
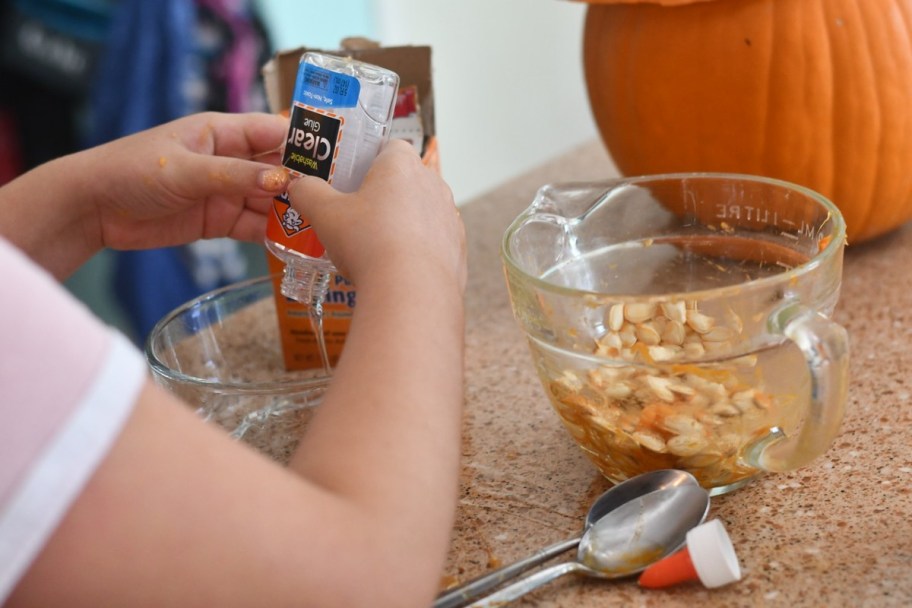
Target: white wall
<point>316,23</point>
<point>509,90</point>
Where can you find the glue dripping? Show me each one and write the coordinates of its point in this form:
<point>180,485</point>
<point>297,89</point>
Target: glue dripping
<point>708,556</point>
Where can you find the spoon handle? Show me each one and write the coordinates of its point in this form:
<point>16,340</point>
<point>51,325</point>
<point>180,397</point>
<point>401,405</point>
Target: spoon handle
<point>529,583</point>
<point>461,596</point>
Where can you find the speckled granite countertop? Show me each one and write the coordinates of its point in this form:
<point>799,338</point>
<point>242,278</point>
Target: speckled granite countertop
<point>836,533</point>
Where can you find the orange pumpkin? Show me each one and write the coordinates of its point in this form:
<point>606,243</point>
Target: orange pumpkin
<point>817,92</point>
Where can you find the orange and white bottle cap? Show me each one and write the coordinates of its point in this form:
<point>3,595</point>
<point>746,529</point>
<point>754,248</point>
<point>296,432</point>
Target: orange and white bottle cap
<point>708,557</point>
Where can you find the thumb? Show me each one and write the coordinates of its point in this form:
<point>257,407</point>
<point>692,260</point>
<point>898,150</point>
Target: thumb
<point>311,196</point>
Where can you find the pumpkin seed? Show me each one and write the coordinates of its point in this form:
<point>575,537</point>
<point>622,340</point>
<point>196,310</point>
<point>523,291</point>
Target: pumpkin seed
<point>718,334</point>
<point>639,312</point>
<point>699,322</point>
<point>675,311</point>
<point>647,334</point>
<point>628,335</point>
<point>686,445</point>
<point>682,424</point>
<point>663,353</point>
<point>674,333</point>
<point>616,317</point>
<point>650,441</point>
<point>659,387</point>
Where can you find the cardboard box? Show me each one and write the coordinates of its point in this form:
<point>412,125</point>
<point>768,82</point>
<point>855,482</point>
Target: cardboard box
<point>413,65</point>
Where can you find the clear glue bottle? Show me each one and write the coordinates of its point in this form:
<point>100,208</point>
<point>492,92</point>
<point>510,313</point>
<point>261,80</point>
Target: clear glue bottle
<point>341,113</point>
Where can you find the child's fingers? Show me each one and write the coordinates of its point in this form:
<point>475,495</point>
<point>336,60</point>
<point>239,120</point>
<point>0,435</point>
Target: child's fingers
<point>201,176</point>
<point>248,135</point>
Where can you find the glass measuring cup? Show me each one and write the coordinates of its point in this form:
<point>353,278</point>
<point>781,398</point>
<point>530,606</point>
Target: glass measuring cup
<point>682,321</point>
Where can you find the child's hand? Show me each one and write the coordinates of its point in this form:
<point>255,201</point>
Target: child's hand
<point>402,217</point>
<point>203,176</point>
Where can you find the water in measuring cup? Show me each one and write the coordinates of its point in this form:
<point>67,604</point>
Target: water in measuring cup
<point>672,381</point>
<point>674,265</point>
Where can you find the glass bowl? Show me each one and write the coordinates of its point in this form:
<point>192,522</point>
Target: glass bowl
<point>221,353</point>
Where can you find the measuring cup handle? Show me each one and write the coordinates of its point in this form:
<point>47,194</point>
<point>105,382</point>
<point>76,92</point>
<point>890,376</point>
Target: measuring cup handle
<point>825,345</point>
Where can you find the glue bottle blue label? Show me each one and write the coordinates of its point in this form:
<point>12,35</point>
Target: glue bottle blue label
<point>316,128</point>
<point>322,88</point>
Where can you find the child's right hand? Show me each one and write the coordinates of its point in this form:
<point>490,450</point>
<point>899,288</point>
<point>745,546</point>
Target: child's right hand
<point>403,216</point>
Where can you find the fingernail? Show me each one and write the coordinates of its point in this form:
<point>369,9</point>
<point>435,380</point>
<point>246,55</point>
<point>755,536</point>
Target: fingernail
<point>273,180</point>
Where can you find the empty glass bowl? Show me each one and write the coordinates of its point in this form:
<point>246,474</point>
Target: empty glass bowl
<point>221,353</point>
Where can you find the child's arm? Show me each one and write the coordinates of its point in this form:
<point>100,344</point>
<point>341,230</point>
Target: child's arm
<point>398,389</point>
<point>177,514</point>
<point>203,176</point>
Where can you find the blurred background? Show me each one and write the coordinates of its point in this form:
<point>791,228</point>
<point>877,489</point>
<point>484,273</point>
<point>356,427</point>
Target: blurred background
<point>507,78</point>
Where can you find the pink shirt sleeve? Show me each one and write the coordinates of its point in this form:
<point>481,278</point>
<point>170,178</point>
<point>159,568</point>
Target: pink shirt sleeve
<point>67,385</point>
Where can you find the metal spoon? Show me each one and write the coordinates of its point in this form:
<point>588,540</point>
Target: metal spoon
<point>623,542</point>
<point>620,494</point>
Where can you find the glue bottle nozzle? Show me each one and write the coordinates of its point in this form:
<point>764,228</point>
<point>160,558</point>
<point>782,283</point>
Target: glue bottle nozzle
<point>708,556</point>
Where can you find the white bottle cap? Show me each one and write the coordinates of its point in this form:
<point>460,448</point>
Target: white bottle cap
<point>713,555</point>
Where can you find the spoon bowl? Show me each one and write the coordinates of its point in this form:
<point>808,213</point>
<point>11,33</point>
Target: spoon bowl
<point>643,531</point>
<point>634,488</point>
<point>621,494</point>
<point>624,541</point>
